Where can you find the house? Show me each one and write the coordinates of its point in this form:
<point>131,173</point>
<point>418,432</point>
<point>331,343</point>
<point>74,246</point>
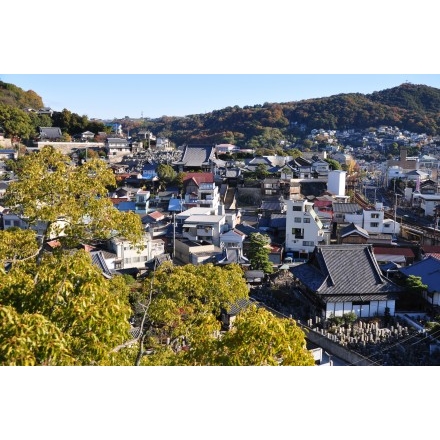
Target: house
<point>224,148</point>
<point>50,134</point>
<point>403,256</point>
<point>339,279</point>
<point>156,223</point>
<point>429,271</point>
<point>196,252</point>
<point>353,234</point>
<point>128,256</point>
<point>45,111</point>
<point>3,187</point>
<point>200,190</point>
<point>347,213</point>
<point>87,136</point>
<point>255,277</point>
<point>433,251</point>
<point>117,147</point>
<point>12,220</point>
<point>304,230</point>
<point>149,172</point>
<point>195,157</point>
<point>6,153</point>
<point>427,202</point>
<point>202,227</point>
<point>253,164</point>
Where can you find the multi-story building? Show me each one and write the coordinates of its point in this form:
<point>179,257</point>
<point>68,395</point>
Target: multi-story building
<point>304,229</point>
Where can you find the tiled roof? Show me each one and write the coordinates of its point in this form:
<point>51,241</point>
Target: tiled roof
<point>50,132</point>
<point>194,156</point>
<point>344,270</point>
<point>428,270</point>
<point>351,229</point>
<point>199,178</point>
<point>156,215</point>
<point>238,306</point>
<point>346,208</point>
<point>407,252</point>
<point>246,228</point>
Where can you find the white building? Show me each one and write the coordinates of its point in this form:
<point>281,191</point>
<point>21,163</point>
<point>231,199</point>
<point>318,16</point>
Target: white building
<point>129,256</point>
<point>304,229</point>
<point>336,182</point>
<point>374,221</point>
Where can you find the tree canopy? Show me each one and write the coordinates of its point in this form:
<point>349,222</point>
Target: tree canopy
<point>259,250</point>
<point>71,201</point>
<point>178,323</point>
<point>60,311</point>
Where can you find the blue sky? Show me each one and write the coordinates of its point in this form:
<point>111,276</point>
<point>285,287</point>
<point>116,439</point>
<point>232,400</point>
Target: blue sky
<point>152,95</point>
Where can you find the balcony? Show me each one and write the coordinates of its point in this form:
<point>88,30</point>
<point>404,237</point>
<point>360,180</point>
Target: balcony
<point>205,232</point>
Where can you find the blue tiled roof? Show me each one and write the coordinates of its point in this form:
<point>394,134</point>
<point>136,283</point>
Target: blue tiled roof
<point>428,270</point>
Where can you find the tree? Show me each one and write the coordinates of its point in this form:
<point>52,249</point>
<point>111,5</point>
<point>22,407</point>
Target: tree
<point>414,289</point>
<point>181,302</point>
<point>257,338</point>
<point>261,171</point>
<point>334,164</point>
<point>166,174</point>
<point>259,250</point>
<point>50,188</point>
<point>16,122</point>
<point>178,323</point>
<point>57,308</point>
<point>60,311</point>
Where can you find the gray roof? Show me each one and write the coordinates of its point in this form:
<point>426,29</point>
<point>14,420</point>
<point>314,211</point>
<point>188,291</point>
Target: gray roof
<point>237,307</point>
<point>50,132</point>
<point>352,228</point>
<point>344,270</point>
<point>346,208</point>
<point>245,228</point>
<point>428,270</point>
<point>195,156</point>
<point>99,260</point>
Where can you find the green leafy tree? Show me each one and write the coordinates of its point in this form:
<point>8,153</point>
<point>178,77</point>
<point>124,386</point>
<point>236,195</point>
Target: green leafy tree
<point>15,122</point>
<point>181,302</point>
<point>61,311</point>
<point>334,164</point>
<point>259,250</point>
<point>261,171</point>
<point>178,318</point>
<point>257,338</point>
<point>57,308</point>
<point>166,174</point>
<point>50,188</point>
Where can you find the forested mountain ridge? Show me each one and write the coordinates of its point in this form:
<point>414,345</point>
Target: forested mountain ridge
<point>412,107</point>
<point>17,97</point>
<point>408,106</point>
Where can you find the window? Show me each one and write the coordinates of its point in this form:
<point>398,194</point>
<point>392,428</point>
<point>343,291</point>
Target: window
<point>296,208</point>
<point>374,225</point>
<point>298,232</point>
<point>297,220</point>
<point>308,243</point>
<point>8,222</point>
<point>374,215</point>
<point>306,220</point>
<point>127,260</point>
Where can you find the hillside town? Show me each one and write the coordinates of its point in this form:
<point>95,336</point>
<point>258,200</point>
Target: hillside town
<point>346,221</point>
